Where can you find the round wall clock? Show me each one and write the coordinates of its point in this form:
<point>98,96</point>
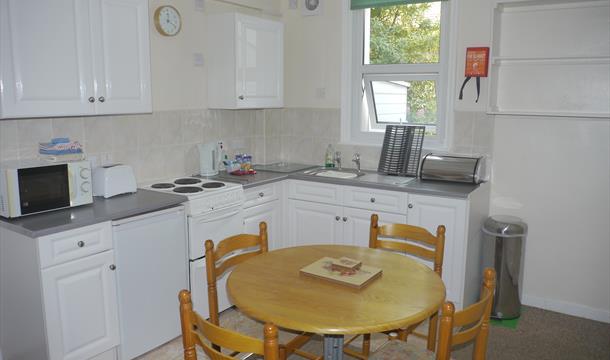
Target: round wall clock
<point>167,20</point>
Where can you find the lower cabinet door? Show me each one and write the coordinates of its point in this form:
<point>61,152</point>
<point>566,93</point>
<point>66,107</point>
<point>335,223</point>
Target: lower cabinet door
<point>312,223</point>
<point>358,224</point>
<point>429,212</point>
<point>269,213</point>
<point>80,305</point>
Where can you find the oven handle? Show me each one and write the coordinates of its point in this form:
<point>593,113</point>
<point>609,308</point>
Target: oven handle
<point>203,219</point>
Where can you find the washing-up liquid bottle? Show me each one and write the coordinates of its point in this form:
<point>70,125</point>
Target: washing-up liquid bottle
<point>329,162</point>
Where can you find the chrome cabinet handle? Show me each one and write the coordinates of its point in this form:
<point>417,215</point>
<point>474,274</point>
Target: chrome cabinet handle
<point>240,97</point>
<point>344,218</point>
<point>337,218</point>
<point>80,244</point>
<point>410,206</point>
<point>372,199</point>
<point>101,99</point>
<point>112,267</point>
<point>261,194</point>
<point>91,99</point>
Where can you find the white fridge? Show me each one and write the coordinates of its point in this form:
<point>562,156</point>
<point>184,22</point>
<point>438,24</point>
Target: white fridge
<point>151,265</point>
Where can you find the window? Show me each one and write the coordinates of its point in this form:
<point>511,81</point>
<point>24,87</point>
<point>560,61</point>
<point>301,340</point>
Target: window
<point>399,72</point>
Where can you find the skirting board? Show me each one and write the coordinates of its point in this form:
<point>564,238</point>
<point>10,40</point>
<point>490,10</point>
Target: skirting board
<point>567,308</point>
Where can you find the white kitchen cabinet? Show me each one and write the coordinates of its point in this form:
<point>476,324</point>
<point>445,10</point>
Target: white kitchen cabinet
<point>58,295</point>
<point>431,211</point>
<point>263,203</point>
<point>317,214</point>
<point>70,57</point>
<point>312,223</point>
<point>81,313</point>
<point>357,225</point>
<point>245,62</point>
<point>269,213</point>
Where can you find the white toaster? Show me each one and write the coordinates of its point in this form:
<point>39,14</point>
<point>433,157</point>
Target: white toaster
<point>111,180</point>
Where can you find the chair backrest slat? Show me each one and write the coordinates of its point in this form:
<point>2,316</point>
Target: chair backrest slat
<point>410,232</point>
<point>225,256</point>
<point>405,247</point>
<point>477,314</point>
<point>237,242</point>
<point>198,331</point>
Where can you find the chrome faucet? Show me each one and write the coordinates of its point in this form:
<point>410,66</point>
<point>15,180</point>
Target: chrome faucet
<point>338,159</point>
<point>356,159</point>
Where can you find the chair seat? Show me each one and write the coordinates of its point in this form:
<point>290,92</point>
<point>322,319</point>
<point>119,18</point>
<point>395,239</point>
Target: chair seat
<point>396,349</point>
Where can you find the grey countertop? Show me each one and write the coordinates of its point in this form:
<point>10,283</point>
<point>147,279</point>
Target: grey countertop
<point>370,179</point>
<point>144,201</point>
<point>101,210</point>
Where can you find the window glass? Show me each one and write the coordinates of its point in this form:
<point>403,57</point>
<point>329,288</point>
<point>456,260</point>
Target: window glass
<point>404,34</point>
<point>405,102</point>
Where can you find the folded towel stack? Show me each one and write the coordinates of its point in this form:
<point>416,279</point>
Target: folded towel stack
<point>61,149</point>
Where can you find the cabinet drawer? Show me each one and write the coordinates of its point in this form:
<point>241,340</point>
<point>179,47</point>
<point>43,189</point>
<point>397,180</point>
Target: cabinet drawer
<point>74,244</point>
<point>261,195</point>
<point>373,199</point>
<point>312,191</point>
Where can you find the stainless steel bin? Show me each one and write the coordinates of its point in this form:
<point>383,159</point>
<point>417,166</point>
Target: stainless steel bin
<point>503,250</point>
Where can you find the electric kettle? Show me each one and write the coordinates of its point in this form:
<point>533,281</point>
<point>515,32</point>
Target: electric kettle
<point>209,158</point>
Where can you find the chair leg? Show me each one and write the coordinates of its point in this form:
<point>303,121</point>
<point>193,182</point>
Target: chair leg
<point>432,326</point>
<point>366,344</point>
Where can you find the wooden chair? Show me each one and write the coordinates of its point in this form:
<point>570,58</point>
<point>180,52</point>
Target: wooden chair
<point>471,323</point>
<point>229,253</point>
<point>198,331</point>
<point>411,240</point>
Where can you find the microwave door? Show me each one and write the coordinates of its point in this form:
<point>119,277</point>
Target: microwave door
<point>43,188</point>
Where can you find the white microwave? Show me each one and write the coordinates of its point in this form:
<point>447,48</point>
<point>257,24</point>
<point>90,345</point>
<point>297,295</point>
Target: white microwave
<point>34,186</point>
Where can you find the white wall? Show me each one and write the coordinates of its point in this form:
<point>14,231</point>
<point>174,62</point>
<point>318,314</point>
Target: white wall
<point>312,57</point>
<point>553,173</point>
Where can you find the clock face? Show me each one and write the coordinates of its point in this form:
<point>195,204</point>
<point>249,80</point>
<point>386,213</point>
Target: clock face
<point>167,20</point>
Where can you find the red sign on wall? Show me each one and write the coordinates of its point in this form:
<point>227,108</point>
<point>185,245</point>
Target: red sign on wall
<point>477,60</point>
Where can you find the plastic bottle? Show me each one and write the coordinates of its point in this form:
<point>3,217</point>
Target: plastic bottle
<point>328,158</point>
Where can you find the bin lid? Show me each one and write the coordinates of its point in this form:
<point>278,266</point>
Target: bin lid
<point>504,226</point>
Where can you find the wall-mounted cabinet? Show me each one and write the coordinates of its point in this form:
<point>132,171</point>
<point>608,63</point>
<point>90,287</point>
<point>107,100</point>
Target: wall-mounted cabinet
<point>245,62</point>
<point>70,57</point>
<point>551,58</point>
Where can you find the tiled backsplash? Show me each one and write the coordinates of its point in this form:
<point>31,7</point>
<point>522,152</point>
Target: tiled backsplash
<point>163,144</point>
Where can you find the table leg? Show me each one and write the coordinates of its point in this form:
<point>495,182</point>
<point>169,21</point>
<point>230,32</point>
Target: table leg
<point>333,347</point>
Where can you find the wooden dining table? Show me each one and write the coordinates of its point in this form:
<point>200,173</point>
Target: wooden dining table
<point>270,288</point>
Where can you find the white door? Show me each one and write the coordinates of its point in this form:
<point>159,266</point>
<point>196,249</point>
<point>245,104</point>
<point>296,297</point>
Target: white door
<point>268,213</point>
<point>312,223</point>
<point>80,303</point>
<point>45,56</point>
<point>122,57</point>
<point>215,226</point>
<point>199,289</point>
<point>429,212</point>
<point>358,224</point>
<point>152,263</point>
<point>259,47</point>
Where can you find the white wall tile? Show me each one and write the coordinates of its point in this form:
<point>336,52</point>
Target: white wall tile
<point>99,134</point>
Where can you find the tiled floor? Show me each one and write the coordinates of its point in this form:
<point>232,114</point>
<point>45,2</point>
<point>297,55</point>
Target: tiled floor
<point>540,335</point>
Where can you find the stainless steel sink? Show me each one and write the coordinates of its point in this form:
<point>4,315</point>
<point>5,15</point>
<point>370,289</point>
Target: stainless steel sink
<point>335,173</point>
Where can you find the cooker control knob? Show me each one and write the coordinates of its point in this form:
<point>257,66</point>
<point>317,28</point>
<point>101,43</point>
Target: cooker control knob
<point>85,173</point>
<point>85,186</point>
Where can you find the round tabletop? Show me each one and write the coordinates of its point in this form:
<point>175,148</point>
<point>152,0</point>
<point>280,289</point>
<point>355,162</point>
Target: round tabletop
<point>270,288</point>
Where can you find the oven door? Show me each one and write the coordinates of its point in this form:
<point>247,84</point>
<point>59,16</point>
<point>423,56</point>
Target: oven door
<point>217,226</point>
<point>43,188</point>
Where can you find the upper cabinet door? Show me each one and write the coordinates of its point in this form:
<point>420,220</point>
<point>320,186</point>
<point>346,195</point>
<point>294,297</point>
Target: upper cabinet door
<point>122,57</point>
<point>260,71</point>
<point>45,58</point>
